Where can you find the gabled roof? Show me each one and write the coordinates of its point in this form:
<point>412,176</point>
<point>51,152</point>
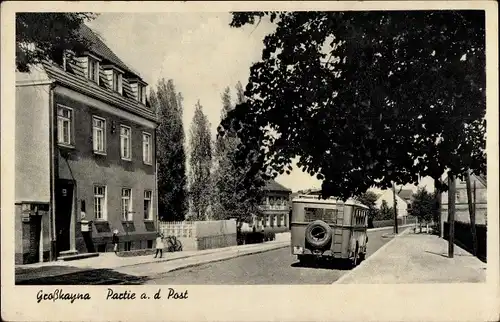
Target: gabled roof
<point>99,48</point>
<point>481,178</point>
<point>405,194</point>
<point>272,185</point>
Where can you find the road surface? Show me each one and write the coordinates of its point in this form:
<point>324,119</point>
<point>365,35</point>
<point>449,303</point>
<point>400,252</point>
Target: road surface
<point>273,267</point>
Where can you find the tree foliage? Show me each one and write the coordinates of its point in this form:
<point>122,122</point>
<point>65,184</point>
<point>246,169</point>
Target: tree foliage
<point>369,199</point>
<point>44,36</point>
<point>200,163</point>
<point>366,98</point>
<point>385,212</point>
<point>170,152</point>
<point>232,198</point>
<point>424,206</point>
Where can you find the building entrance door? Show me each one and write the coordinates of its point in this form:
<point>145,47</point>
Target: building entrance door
<point>35,231</point>
<point>64,205</point>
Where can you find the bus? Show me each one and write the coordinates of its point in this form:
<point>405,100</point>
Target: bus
<point>328,229</point>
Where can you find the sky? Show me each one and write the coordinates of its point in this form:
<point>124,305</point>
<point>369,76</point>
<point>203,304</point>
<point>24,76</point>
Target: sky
<point>201,53</point>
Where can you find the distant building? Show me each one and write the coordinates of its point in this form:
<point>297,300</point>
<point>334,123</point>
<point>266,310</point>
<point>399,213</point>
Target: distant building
<point>276,206</point>
<point>85,157</point>
<point>388,196</point>
<point>406,195</point>
<point>461,201</point>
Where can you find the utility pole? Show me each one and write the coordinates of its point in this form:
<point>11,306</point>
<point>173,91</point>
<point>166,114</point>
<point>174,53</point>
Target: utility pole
<point>451,214</point>
<point>395,209</point>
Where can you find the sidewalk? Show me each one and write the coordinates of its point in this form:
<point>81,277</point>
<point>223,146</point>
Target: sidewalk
<point>417,258</point>
<point>175,260</point>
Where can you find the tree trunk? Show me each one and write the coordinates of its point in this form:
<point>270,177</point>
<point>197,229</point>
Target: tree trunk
<point>472,214</point>
<point>395,209</point>
<point>451,214</point>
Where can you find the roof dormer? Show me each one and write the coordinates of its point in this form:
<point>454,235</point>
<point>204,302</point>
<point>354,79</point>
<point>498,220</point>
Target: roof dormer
<point>139,87</point>
<point>92,69</point>
<point>114,76</point>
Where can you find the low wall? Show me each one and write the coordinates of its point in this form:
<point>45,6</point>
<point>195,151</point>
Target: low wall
<point>386,223</point>
<point>463,237</point>
<point>199,235</point>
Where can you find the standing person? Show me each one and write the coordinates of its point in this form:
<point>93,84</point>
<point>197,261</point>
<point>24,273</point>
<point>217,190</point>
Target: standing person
<point>159,245</point>
<point>115,241</point>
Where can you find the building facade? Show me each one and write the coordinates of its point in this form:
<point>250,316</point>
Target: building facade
<point>85,157</point>
<point>388,196</point>
<point>276,207</point>
<point>478,183</point>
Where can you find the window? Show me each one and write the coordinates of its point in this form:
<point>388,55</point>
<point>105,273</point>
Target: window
<point>117,82</point>
<point>99,134</point>
<point>125,142</point>
<point>127,204</point>
<point>148,210</point>
<point>100,202</point>
<point>141,93</point>
<point>146,148</point>
<point>93,69</point>
<point>64,124</point>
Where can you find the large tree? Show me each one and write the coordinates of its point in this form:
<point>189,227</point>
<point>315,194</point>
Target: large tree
<point>200,163</point>
<point>385,212</point>
<point>232,197</point>
<point>170,152</point>
<point>366,98</point>
<point>424,206</point>
<point>44,36</point>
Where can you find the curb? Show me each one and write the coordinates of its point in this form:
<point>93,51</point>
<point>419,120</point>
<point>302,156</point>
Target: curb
<point>378,252</point>
<point>389,227</point>
<point>217,260</point>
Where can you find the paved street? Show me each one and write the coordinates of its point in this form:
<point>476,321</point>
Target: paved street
<point>270,267</point>
<point>273,267</point>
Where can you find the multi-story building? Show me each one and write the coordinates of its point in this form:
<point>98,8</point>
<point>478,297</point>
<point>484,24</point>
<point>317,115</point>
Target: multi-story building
<point>85,156</point>
<point>276,207</point>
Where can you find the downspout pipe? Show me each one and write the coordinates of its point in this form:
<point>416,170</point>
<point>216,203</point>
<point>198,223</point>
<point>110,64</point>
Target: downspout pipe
<point>157,219</point>
<point>52,210</point>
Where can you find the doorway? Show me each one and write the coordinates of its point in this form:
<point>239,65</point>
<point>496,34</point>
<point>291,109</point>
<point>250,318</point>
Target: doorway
<point>64,210</point>
<point>35,232</point>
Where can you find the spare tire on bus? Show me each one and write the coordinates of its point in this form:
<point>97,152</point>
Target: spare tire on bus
<point>318,233</point>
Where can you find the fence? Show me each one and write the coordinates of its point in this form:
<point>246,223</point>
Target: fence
<point>199,235</point>
<point>463,237</point>
<point>177,228</point>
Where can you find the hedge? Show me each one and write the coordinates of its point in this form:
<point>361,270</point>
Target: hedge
<point>463,237</point>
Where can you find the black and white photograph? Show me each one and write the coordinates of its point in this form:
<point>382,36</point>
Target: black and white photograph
<point>250,146</point>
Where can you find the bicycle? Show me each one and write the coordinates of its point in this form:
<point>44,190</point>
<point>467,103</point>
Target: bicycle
<point>173,244</point>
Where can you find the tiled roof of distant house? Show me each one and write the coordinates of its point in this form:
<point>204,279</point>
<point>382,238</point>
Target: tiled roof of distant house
<point>74,77</point>
<point>274,186</point>
<point>482,179</point>
<point>405,194</point>
<point>101,49</point>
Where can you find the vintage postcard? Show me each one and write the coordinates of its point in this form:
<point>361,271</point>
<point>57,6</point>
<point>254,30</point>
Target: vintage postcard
<point>250,161</point>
